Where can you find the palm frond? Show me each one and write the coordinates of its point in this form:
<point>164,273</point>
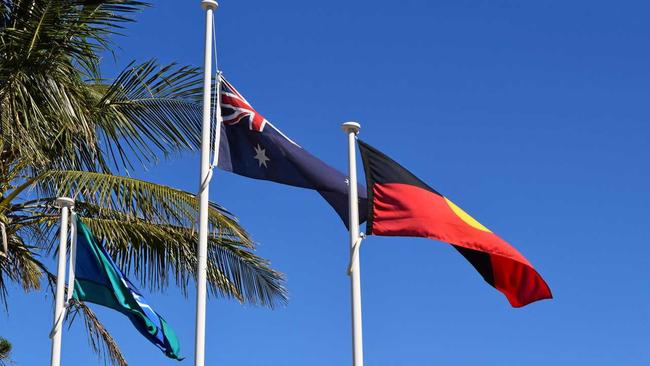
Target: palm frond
<point>136,198</point>
<point>5,350</point>
<point>71,124</point>
<point>99,338</point>
<point>150,109</point>
<point>57,111</point>
<point>150,230</point>
<point>156,253</point>
<point>18,266</point>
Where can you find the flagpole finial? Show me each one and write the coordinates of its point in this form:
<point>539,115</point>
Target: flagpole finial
<point>351,127</point>
<point>64,202</point>
<point>209,4</point>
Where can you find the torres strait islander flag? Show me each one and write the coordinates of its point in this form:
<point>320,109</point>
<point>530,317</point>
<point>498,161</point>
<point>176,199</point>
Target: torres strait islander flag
<point>251,146</point>
<point>400,204</point>
<point>99,280</point>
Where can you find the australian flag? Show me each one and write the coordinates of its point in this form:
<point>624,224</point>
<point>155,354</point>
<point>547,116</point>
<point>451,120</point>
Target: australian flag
<point>251,146</point>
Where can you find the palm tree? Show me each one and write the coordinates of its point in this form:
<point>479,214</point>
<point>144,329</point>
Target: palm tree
<point>5,350</point>
<point>67,131</point>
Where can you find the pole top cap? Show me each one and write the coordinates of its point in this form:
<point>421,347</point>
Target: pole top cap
<point>209,4</point>
<point>63,202</point>
<point>351,127</point>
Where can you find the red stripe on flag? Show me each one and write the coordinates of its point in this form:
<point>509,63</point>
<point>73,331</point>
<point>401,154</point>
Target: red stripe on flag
<point>235,102</point>
<point>257,122</point>
<point>407,210</point>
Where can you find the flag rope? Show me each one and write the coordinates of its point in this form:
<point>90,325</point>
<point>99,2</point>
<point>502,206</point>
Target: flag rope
<point>73,257</point>
<point>214,45</point>
<point>56,323</point>
<point>355,253</point>
<point>216,113</point>
<point>216,103</point>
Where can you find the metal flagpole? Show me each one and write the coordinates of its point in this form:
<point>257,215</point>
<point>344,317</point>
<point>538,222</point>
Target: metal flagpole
<point>352,129</point>
<point>65,204</point>
<point>201,286</point>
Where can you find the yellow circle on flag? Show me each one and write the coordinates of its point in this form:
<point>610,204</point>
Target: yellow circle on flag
<point>469,220</point>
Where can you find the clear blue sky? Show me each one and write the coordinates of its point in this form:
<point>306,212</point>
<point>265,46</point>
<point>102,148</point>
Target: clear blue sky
<point>532,116</point>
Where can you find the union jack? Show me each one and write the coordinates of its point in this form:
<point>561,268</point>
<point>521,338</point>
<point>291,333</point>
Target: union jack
<point>235,108</point>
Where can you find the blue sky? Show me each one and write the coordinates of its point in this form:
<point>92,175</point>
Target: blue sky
<point>532,116</point>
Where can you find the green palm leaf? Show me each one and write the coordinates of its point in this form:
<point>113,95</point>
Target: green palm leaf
<point>157,253</point>
<point>150,110</point>
<point>150,230</point>
<point>5,350</point>
<point>19,266</point>
<point>57,110</point>
<point>48,51</point>
<point>99,338</point>
<point>136,198</point>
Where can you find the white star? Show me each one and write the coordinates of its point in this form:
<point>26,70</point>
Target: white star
<point>260,156</point>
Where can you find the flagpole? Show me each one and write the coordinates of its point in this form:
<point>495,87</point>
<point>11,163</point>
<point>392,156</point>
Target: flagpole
<point>352,129</point>
<point>65,204</point>
<point>204,190</point>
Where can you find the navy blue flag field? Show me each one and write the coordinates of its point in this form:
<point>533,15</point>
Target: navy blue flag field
<point>100,281</point>
<point>251,146</point>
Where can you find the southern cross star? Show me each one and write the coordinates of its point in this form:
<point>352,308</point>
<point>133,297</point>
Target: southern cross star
<point>260,156</point>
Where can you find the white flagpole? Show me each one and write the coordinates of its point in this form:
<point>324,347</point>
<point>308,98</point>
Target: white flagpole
<point>352,129</point>
<point>65,204</point>
<point>204,191</point>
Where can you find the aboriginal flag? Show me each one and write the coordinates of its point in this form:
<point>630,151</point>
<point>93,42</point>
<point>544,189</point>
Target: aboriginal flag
<point>400,204</point>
